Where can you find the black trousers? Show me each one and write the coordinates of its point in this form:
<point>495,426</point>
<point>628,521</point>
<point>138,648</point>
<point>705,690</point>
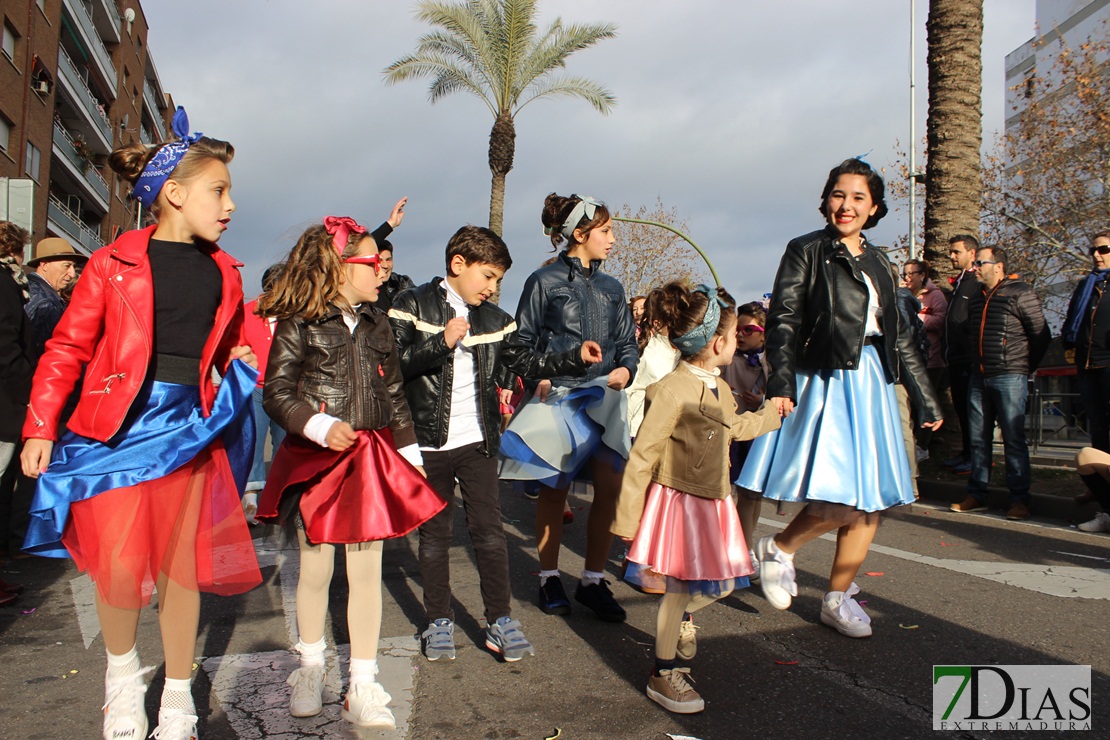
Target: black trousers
<point>477,476</point>
<point>958,378</point>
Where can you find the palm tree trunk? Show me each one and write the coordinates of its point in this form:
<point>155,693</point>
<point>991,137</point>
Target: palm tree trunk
<point>955,124</point>
<point>502,148</point>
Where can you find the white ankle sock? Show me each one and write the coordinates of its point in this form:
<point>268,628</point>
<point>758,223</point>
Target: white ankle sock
<point>123,665</point>
<point>312,654</point>
<point>545,574</point>
<point>590,577</point>
<point>779,551</point>
<point>178,694</point>
<point>363,670</point>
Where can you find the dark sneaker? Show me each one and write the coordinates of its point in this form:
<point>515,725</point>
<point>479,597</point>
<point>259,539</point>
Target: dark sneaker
<point>963,468</point>
<point>671,691</point>
<point>1018,511</point>
<point>439,640</point>
<point>598,597</point>
<point>957,461</point>
<point>506,638</point>
<point>553,599</point>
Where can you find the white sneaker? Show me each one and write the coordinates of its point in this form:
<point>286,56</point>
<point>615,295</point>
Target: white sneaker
<point>843,613</point>
<point>776,573</point>
<point>688,639</point>
<point>124,711</point>
<point>1101,523</point>
<point>308,691</point>
<point>367,706</point>
<point>753,578</point>
<point>175,724</point>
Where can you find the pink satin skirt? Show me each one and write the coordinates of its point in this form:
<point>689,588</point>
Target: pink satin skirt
<point>690,538</point>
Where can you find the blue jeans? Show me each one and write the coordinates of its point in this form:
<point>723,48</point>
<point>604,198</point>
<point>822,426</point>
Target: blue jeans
<point>256,481</point>
<point>1000,399</point>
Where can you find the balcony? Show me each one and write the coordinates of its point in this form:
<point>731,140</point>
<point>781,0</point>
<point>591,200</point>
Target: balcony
<point>90,37</point>
<point>145,136</point>
<point>86,102</point>
<point>107,20</point>
<point>150,100</point>
<point>80,167</point>
<point>61,219</point>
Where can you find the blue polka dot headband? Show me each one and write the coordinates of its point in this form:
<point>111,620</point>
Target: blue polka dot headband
<point>162,164</point>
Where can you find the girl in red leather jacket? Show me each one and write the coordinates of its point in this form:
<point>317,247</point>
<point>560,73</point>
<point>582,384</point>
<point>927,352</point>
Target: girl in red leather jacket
<point>143,488</point>
<point>333,382</point>
<point>576,426</point>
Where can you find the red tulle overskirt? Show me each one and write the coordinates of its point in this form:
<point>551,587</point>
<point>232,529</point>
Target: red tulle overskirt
<point>365,493</point>
<point>187,526</point>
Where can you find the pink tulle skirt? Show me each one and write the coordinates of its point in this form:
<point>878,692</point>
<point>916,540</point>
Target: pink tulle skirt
<point>690,538</point>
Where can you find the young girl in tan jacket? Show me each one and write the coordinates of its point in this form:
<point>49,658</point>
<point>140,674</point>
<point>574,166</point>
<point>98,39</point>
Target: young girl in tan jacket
<point>674,501</point>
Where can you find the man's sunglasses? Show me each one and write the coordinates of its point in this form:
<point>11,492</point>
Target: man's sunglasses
<point>980,263</point>
<point>1102,249</point>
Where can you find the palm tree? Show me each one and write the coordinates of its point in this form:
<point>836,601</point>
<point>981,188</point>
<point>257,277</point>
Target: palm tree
<point>492,49</point>
<point>955,124</point>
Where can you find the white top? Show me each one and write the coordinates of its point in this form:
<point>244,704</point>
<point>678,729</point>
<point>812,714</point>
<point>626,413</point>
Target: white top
<point>465,426</point>
<point>871,327</point>
<point>660,358</point>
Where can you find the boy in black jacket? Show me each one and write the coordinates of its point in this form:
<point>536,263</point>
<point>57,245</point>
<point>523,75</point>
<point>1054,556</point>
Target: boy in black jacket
<point>454,346</point>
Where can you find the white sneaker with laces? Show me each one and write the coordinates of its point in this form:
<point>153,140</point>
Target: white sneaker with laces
<point>1101,523</point>
<point>176,724</point>
<point>776,573</point>
<point>844,614</point>
<point>366,705</point>
<point>308,691</point>
<point>124,711</point>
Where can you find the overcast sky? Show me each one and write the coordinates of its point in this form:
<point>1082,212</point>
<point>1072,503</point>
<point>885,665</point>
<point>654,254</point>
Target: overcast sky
<point>731,111</point>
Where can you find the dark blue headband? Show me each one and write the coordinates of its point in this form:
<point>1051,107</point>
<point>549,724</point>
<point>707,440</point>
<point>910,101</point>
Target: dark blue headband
<point>162,164</point>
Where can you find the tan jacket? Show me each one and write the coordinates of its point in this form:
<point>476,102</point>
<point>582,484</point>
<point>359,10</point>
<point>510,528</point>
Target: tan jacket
<point>683,443</point>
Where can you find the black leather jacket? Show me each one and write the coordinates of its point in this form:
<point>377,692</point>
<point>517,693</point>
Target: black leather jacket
<point>320,365</point>
<point>957,338</point>
<point>817,319</point>
<point>418,318</point>
<point>561,307</point>
<point>1007,328</point>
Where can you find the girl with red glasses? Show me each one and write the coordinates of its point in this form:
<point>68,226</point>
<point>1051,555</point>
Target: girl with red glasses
<point>348,472</point>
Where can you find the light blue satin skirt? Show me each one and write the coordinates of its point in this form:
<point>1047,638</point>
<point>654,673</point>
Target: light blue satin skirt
<point>553,440</point>
<point>165,429</point>
<point>843,444</point>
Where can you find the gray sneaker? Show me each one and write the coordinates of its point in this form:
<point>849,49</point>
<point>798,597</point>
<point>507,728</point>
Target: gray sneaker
<point>439,640</point>
<point>505,637</point>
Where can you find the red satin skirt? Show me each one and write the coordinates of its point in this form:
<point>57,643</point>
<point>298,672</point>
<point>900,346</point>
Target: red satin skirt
<point>689,537</point>
<point>187,526</point>
<point>365,493</point>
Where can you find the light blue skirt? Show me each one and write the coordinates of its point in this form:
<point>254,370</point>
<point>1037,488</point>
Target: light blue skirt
<point>843,444</point>
<point>551,441</point>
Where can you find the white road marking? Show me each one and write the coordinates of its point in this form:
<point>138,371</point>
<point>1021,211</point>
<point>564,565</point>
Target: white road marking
<point>84,602</point>
<point>1067,581</point>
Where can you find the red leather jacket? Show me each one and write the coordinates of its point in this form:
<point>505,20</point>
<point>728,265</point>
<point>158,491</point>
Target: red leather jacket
<point>109,327</point>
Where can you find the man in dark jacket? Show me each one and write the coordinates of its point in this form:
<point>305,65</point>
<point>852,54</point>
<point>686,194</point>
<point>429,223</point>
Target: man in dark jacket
<point>962,250</point>
<point>1087,331</point>
<point>393,283</point>
<point>55,268</point>
<point>1009,337</point>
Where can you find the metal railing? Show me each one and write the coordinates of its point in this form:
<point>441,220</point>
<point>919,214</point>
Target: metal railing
<point>95,42</point>
<point>72,225</point>
<point>89,102</point>
<point>150,98</point>
<point>68,147</point>
<point>1057,420</point>
<point>114,19</point>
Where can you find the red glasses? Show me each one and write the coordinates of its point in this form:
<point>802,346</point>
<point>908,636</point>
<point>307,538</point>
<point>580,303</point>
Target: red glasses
<point>374,260</point>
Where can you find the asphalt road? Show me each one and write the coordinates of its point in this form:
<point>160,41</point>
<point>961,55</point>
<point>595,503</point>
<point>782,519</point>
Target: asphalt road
<point>949,589</point>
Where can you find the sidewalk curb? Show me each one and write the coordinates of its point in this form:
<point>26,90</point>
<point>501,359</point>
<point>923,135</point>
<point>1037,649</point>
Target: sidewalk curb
<point>1043,505</point>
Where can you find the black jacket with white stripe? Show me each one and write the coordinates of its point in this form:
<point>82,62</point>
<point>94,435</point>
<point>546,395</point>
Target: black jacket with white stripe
<point>418,317</point>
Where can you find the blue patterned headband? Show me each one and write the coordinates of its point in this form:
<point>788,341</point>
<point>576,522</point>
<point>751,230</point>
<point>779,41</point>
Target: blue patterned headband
<point>162,164</point>
<point>586,207</point>
<point>696,339</point>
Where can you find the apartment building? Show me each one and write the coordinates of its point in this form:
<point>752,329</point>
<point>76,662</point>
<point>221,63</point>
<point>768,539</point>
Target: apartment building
<point>76,80</point>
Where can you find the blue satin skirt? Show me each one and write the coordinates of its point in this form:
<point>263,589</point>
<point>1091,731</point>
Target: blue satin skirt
<point>843,444</point>
<point>551,441</point>
<point>164,431</point>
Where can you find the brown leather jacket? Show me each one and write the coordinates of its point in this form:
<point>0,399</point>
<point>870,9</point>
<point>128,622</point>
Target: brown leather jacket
<point>683,443</point>
<point>320,366</point>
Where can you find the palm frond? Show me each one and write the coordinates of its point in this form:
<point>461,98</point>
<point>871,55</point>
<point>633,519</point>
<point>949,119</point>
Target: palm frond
<point>570,87</point>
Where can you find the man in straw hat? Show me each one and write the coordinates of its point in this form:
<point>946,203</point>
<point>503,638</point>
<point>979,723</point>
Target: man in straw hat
<point>55,268</point>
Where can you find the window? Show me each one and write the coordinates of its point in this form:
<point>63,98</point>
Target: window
<point>10,37</point>
<point>5,134</point>
<point>34,157</point>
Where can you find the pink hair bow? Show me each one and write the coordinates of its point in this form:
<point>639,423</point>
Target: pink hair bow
<point>340,228</point>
